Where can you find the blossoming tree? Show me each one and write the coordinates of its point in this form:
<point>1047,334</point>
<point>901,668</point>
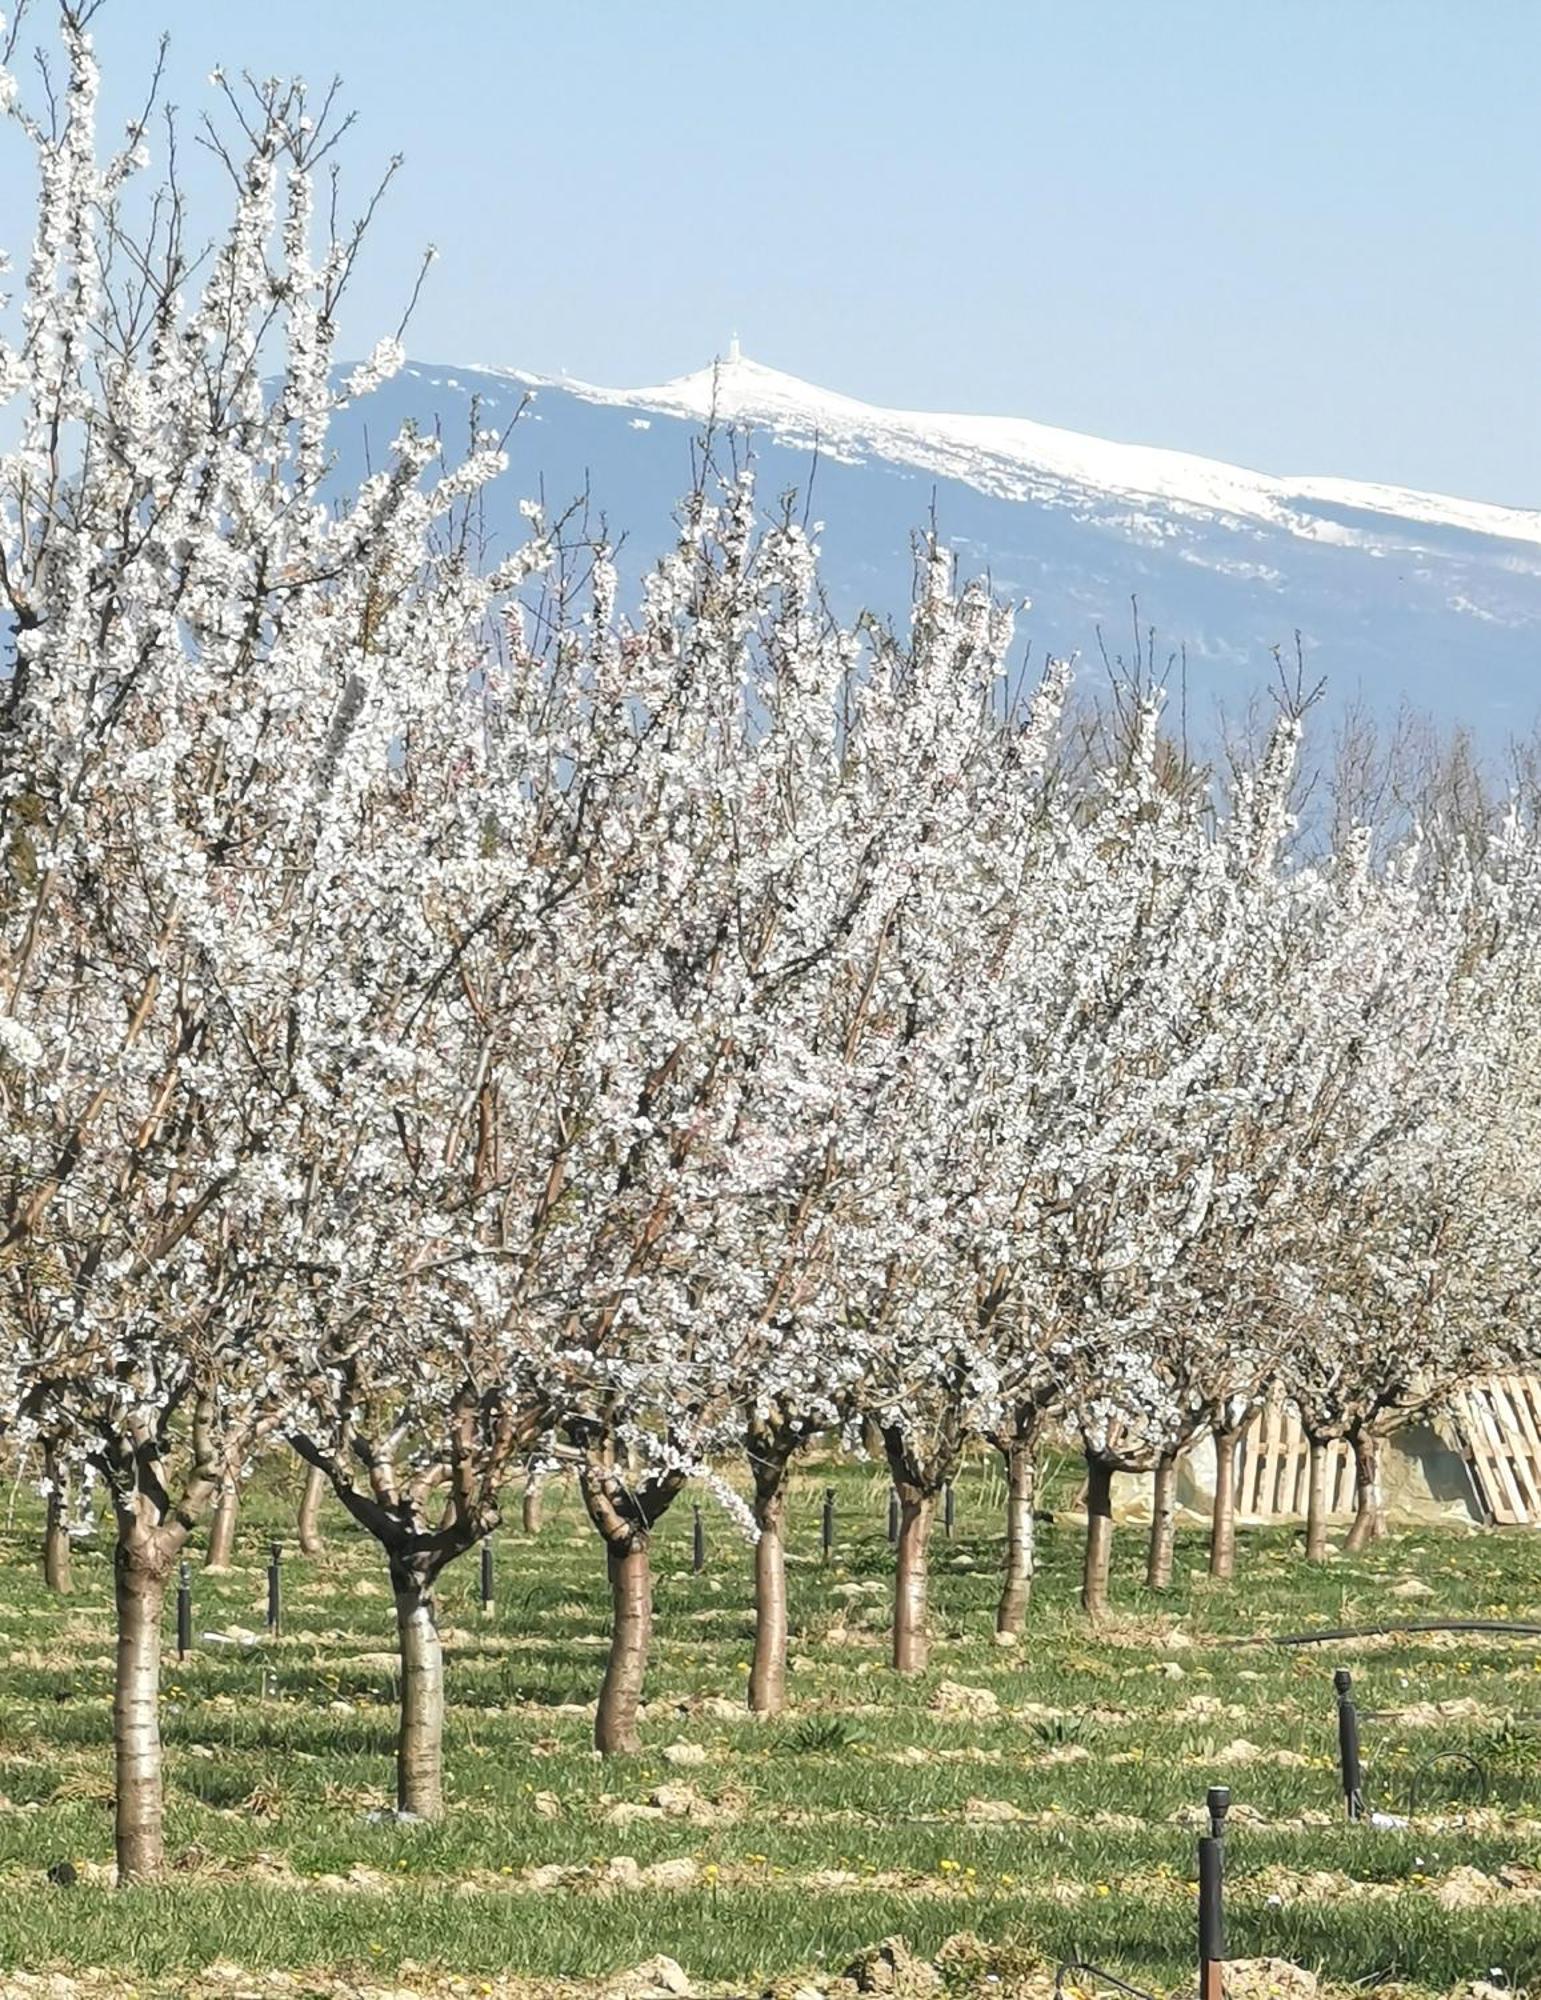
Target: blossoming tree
<point>209,658</point>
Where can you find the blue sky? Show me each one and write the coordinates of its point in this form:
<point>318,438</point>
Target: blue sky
<point>1300,234</point>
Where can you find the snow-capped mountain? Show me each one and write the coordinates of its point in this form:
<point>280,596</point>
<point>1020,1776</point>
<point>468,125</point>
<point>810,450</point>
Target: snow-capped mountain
<point>1400,596</point>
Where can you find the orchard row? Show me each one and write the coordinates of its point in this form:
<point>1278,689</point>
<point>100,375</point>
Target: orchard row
<point>452,1026</point>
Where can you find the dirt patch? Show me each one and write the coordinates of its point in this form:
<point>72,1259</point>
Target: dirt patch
<point>1315,1885</point>
<point>677,1801</point>
<point>971,1704</point>
<point>1432,1714</point>
<point>1267,1979</point>
<point>1470,1889</point>
<point>990,1812</point>
<point>1207,1708</point>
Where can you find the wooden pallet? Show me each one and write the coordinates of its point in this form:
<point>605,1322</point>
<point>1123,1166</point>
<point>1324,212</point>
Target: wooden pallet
<point>1275,1469</point>
<point>1498,1421</point>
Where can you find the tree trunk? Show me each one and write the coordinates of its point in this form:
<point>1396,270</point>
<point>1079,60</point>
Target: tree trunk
<point>222,1527</point>
<point>631,1631</point>
<point>1099,1537</point>
<point>1369,1517</point>
<point>56,1537</point>
<point>768,1670</point>
<point>533,1505</point>
<point>420,1740</point>
<point>308,1523</point>
<point>1316,1501</point>
<point>140,1594</point>
<point>912,1579</point>
<point>1021,1481</point>
<point>1222,1533</point>
<point>1163,1525</point>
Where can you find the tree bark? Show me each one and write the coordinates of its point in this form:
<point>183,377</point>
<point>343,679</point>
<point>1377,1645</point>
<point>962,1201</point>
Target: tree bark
<point>1316,1501</point>
<point>308,1522</point>
<point>631,1631</point>
<point>1021,1483</point>
<point>768,1669</point>
<point>1163,1524</point>
<point>1222,1534</point>
<point>56,1537</point>
<point>1099,1537</point>
<point>140,1593</point>
<point>420,1739</point>
<point>912,1644</point>
<point>222,1527</point>
<point>533,1506</point>
<point>1369,1515</point>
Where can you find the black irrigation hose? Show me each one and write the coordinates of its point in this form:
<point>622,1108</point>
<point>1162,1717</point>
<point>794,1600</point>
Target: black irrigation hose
<point>1416,1778</point>
<point>1385,1631</point>
<point>1428,1767</point>
<point>1099,1973</point>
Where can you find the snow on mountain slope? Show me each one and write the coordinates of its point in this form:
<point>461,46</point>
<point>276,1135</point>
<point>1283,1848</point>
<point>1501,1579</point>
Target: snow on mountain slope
<point>1021,460</point>
<point>1400,598</point>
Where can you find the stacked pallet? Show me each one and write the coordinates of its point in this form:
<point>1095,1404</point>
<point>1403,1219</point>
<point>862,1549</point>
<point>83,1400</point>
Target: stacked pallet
<point>1275,1459</point>
<point>1498,1420</point>
<point>1495,1422</point>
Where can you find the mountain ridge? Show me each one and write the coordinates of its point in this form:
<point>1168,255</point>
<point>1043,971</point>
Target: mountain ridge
<point>1401,598</point>
<point>735,389</point>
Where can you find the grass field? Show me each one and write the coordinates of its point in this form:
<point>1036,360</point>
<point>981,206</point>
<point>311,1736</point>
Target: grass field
<point>1053,1818</point>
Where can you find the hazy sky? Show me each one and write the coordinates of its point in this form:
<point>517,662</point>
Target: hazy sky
<point>1300,234</point>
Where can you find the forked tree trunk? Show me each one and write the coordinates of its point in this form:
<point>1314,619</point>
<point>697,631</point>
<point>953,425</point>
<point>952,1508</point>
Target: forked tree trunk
<point>1222,1533</point>
<point>1369,1515</point>
<point>768,1669</point>
<point>222,1527</point>
<point>1099,1536</point>
<point>624,1511</point>
<point>140,1594</point>
<point>1163,1523</point>
<point>417,1554</point>
<point>1316,1501</point>
<point>631,1632</point>
<point>56,1535</point>
<point>532,1509</point>
<point>308,1521</point>
<point>912,1645</point>
<point>420,1738</point>
<point>1021,1484</point>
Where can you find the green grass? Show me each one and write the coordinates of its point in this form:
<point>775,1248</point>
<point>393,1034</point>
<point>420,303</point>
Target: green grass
<point>1105,1743</point>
